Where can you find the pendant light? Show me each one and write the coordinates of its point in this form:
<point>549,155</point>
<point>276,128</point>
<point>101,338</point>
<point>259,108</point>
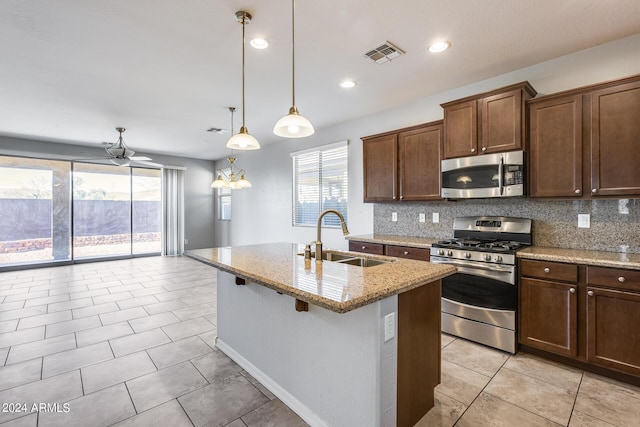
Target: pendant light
<point>293,125</point>
<point>229,181</point>
<point>242,140</point>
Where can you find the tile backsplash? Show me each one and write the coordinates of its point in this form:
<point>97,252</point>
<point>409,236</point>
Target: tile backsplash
<point>615,224</point>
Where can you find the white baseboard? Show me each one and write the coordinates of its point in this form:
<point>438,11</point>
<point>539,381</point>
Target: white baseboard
<point>296,406</point>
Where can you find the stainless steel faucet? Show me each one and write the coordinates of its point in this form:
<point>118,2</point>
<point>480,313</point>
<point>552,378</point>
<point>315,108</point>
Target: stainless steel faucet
<point>318,241</point>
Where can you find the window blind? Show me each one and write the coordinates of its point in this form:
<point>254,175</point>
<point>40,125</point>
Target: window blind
<point>320,182</point>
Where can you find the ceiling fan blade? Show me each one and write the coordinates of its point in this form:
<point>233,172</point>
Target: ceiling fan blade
<point>152,164</point>
<point>137,158</point>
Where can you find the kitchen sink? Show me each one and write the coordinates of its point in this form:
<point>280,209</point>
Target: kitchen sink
<point>350,259</point>
<point>363,262</point>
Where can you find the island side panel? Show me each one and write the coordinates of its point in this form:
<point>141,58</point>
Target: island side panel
<point>327,367</point>
<point>418,351</point>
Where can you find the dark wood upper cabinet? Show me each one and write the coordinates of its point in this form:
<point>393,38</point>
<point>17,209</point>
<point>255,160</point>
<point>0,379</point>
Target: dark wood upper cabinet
<point>503,122</point>
<point>491,122</point>
<point>403,165</point>
<point>555,147</point>
<point>585,142</point>
<point>615,140</point>
<point>420,154</point>
<point>380,160</point>
<point>461,129</point>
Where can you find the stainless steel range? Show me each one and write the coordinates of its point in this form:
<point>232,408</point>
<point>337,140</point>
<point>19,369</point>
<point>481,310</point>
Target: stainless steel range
<point>479,302</point>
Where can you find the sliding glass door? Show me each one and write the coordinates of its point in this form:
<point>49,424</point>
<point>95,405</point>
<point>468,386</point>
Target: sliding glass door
<point>35,211</point>
<point>113,211</point>
<point>101,210</point>
<point>146,191</point>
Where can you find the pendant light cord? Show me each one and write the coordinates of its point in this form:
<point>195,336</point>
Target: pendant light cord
<point>244,22</point>
<point>293,51</point>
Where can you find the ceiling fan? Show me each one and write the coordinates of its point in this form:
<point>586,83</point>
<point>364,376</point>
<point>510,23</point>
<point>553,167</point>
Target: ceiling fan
<point>121,155</point>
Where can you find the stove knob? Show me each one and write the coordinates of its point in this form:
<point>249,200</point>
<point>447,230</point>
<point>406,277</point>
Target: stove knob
<point>449,253</point>
<point>467,255</point>
<point>498,258</point>
<point>487,257</point>
<point>440,252</point>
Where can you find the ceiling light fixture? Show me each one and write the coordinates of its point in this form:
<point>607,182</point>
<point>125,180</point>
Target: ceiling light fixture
<point>242,140</point>
<point>347,84</point>
<point>439,46</point>
<point>259,43</point>
<point>293,125</point>
<point>229,181</point>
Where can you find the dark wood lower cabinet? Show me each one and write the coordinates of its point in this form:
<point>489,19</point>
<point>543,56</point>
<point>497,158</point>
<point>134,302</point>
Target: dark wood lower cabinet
<point>549,318</point>
<point>592,323</point>
<point>613,329</point>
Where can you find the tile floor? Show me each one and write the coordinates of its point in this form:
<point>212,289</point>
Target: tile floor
<point>131,343</point>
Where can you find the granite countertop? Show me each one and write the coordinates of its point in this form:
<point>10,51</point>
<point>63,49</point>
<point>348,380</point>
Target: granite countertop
<point>580,256</point>
<point>387,239</point>
<point>331,285</point>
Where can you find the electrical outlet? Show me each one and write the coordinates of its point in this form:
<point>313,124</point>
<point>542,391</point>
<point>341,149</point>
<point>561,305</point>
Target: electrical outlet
<point>584,221</point>
<point>389,326</point>
<point>186,241</point>
<point>422,218</point>
<point>394,216</point>
<point>436,217</point>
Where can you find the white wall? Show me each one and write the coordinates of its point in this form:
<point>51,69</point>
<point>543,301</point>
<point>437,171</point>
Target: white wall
<point>263,212</point>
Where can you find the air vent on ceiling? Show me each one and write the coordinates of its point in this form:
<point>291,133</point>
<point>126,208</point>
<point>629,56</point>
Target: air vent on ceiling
<point>217,130</point>
<point>383,53</point>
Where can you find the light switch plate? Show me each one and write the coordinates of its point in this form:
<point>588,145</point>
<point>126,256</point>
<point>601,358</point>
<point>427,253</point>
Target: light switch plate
<point>584,221</point>
<point>422,217</point>
<point>394,216</point>
<point>389,326</point>
<point>436,217</point>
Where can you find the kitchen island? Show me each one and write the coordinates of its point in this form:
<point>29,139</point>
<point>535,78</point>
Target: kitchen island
<point>340,344</point>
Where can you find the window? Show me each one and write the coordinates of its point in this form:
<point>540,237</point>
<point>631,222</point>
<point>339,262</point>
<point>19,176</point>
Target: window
<point>319,183</point>
<point>224,201</point>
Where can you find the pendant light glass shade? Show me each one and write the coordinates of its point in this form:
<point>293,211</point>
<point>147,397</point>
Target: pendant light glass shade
<point>242,140</point>
<point>293,125</point>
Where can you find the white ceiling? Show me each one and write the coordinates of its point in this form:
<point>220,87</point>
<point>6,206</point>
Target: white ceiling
<point>73,70</point>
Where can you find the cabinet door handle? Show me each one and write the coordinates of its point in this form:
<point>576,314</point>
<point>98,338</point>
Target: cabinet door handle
<point>594,190</point>
<point>364,247</point>
<point>590,293</point>
<point>484,149</point>
<point>406,252</point>
<point>621,279</point>
<point>572,290</point>
<point>473,150</point>
<point>401,197</point>
<point>546,269</point>
<point>577,191</point>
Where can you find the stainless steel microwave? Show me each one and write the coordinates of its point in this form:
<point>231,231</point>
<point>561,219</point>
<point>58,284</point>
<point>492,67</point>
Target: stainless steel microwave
<point>487,175</point>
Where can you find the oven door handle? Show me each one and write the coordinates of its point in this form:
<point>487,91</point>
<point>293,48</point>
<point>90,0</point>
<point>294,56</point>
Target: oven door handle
<point>467,267</point>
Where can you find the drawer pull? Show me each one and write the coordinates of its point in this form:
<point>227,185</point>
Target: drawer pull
<point>590,293</point>
<point>546,269</point>
<point>572,290</point>
<point>621,279</point>
<point>364,247</point>
<point>407,253</point>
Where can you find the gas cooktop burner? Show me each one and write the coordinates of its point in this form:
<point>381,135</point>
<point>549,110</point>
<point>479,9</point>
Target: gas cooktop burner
<point>482,245</point>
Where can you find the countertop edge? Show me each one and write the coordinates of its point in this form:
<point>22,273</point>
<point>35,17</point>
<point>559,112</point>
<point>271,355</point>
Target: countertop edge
<point>336,307</point>
<point>578,256</point>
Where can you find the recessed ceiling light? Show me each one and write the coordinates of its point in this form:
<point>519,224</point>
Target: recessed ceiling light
<point>259,43</point>
<point>440,46</point>
<point>347,84</point>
